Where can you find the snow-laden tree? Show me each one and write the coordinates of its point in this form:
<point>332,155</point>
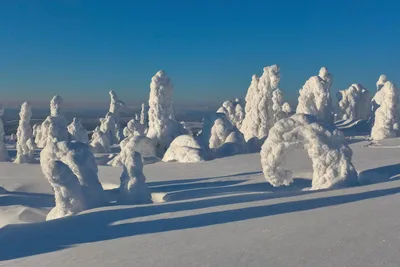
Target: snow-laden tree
<point>386,116</point>
<point>233,111</point>
<point>315,97</point>
<point>286,109</point>
<point>260,116</point>
<point>143,116</point>
<point>185,149</point>
<point>162,124</point>
<point>134,127</point>
<point>3,150</point>
<point>77,131</point>
<point>57,120</point>
<point>108,127</point>
<point>279,107</point>
<point>116,106</point>
<point>142,144</point>
<point>133,188</point>
<point>100,142</point>
<point>36,129</point>
<point>25,144</point>
<point>354,103</point>
<point>381,82</point>
<point>78,165</point>
<point>327,148</point>
<point>234,144</point>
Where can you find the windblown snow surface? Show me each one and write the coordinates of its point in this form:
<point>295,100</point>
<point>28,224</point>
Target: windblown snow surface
<point>216,213</point>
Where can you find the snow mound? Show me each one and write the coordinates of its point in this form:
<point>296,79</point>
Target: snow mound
<point>185,149</point>
<point>354,103</point>
<point>327,148</point>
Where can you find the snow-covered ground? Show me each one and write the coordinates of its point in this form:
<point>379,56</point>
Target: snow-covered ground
<point>216,213</point>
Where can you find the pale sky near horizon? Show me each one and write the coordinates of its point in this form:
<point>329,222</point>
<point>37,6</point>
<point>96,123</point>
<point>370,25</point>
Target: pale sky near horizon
<point>210,49</point>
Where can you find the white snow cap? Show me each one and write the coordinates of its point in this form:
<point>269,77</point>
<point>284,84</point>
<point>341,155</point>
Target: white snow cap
<point>260,113</point>
<point>354,103</point>
<point>75,180</point>
<point>100,142</point>
<point>185,149</point>
<point>3,150</point>
<point>386,116</point>
<point>327,148</point>
<point>25,143</point>
<point>77,131</point>
<point>315,97</point>
<point>162,125</point>
<point>133,188</point>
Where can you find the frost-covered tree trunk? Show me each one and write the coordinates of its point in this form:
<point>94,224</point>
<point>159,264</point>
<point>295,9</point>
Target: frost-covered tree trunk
<point>133,188</point>
<point>315,97</point>
<point>77,131</point>
<point>386,116</point>
<point>354,103</point>
<point>162,125</point>
<point>25,143</point>
<point>4,157</point>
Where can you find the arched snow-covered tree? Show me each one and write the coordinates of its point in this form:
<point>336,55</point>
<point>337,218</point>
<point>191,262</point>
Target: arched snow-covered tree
<point>4,157</point>
<point>133,188</point>
<point>315,97</point>
<point>77,131</point>
<point>354,103</point>
<point>327,148</point>
<point>386,123</point>
<point>162,124</point>
<point>25,143</point>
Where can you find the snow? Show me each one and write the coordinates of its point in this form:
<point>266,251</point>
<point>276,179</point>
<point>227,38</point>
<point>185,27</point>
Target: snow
<point>25,144</point>
<point>216,213</point>
<point>354,103</point>
<point>77,131</point>
<point>234,111</point>
<point>100,142</point>
<point>185,149</point>
<point>386,124</point>
<point>327,148</point>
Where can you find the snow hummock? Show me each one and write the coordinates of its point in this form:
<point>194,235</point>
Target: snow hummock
<point>386,124</point>
<point>100,142</point>
<point>77,131</point>
<point>354,103</point>
<point>315,97</point>
<point>327,148</point>
<point>3,150</point>
<point>162,124</point>
<point>135,143</point>
<point>133,188</point>
<point>185,149</point>
<point>71,169</point>
<point>25,144</point>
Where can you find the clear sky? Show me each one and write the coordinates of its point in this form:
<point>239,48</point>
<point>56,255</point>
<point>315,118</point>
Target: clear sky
<point>210,49</point>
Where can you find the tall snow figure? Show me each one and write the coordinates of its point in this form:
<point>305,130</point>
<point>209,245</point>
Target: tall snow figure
<point>77,131</point>
<point>76,178</point>
<point>327,148</point>
<point>133,188</point>
<point>260,116</point>
<point>58,121</point>
<point>162,125</point>
<point>115,108</point>
<point>3,150</point>
<point>354,103</point>
<point>25,143</point>
<point>386,116</point>
<point>315,97</point>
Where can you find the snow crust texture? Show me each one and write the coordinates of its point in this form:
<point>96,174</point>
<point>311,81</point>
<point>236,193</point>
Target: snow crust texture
<point>354,103</point>
<point>25,144</point>
<point>327,148</point>
<point>386,123</point>
<point>71,170</point>
<point>315,97</point>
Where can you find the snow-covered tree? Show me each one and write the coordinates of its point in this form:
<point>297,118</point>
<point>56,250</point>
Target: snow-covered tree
<point>71,169</point>
<point>108,127</point>
<point>327,148</point>
<point>77,131</point>
<point>3,150</point>
<point>386,116</point>
<point>116,106</point>
<point>381,82</point>
<point>315,97</point>
<point>233,111</point>
<point>185,149</point>
<point>143,116</point>
<point>286,109</point>
<point>36,129</point>
<point>260,116</point>
<point>278,106</point>
<point>162,124</point>
<point>354,103</point>
<point>25,143</point>
<point>58,122</point>
<point>134,127</point>
<point>100,142</point>
<point>133,188</point>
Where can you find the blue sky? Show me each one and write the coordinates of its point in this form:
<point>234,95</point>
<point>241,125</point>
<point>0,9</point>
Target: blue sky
<point>210,49</point>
